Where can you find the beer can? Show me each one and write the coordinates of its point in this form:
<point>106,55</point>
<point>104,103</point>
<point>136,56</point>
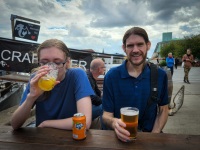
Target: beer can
<point>79,126</point>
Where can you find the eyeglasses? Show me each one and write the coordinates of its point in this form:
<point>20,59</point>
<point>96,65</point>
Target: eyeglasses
<point>58,64</point>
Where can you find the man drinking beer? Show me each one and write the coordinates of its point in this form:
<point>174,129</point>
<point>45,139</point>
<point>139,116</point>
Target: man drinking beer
<point>128,85</point>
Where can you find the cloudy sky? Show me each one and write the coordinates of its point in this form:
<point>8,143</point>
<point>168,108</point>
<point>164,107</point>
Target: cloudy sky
<point>100,24</point>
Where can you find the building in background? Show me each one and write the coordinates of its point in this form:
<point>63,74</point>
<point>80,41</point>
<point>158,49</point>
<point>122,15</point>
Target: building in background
<point>166,38</point>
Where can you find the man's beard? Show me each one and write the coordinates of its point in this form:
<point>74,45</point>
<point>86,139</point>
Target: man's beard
<point>144,56</point>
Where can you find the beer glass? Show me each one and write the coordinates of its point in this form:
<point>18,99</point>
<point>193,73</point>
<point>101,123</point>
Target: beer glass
<point>129,115</point>
<point>47,82</point>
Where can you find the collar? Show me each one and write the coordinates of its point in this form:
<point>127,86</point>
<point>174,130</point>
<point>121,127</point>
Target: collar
<point>90,74</point>
<point>124,72</point>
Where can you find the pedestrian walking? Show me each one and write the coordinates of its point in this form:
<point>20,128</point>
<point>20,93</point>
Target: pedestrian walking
<point>170,63</point>
<point>187,59</point>
<point>176,62</point>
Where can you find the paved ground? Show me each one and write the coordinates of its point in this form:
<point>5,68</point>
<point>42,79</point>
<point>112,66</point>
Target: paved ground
<point>187,119</point>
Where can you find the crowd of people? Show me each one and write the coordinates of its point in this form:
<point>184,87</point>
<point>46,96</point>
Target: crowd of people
<point>76,90</point>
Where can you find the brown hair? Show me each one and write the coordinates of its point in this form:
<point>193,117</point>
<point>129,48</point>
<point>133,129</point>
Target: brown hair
<point>53,43</point>
<point>137,31</point>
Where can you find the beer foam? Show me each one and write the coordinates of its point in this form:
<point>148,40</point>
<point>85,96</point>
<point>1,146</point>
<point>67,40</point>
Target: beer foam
<point>130,113</point>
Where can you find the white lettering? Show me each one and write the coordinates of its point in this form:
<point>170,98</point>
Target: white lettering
<point>2,54</point>
<point>74,62</point>
<point>26,57</point>
<point>34,29</point>
<point>8,55</point>
<point>34,58</point>
<point>83,64</point>
<point>16,55</point>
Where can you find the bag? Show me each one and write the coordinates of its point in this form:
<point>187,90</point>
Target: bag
<point>182,65</point>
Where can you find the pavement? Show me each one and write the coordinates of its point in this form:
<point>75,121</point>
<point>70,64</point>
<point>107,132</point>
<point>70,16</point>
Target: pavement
<point>187,119</point>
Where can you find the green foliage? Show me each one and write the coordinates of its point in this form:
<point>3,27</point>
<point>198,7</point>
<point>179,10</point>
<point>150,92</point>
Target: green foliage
<point>193,42</point>
<point>167,48</point>
<point>179,47</point>
<point>162,63</point>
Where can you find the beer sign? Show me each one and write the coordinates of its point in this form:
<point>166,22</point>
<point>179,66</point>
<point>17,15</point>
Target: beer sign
<point>26,30</point>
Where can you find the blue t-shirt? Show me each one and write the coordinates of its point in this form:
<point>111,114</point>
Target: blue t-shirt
<point>61,102</point>
<point>122,90</point>
<point>170,62</point>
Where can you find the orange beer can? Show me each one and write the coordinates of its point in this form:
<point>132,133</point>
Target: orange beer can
<point>79,126</point>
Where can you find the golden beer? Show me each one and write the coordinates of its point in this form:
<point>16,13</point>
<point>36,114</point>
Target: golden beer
<point>46,84</point>
<point>129,115</point>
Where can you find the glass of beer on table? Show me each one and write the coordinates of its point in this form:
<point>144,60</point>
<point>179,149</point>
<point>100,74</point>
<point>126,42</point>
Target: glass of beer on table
<point>129,115</point>
<point>47,82</point>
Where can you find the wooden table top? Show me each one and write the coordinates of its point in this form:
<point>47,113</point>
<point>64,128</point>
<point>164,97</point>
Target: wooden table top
<point>52,139</point>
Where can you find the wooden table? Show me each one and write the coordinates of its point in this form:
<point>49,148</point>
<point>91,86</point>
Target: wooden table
<point>53,139</point>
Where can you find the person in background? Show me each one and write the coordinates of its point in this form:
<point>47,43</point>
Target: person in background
<point>128,85</point>
<point>97,68</point>
<point>187,59</point>
<point>176,62</point>
<point>170,63</point>
<point>70,95</point>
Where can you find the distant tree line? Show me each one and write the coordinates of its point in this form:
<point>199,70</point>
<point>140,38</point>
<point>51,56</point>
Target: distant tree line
<point>179,47</point>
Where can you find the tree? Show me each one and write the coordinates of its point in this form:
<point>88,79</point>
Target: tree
<point>167,48</point>
<point>179,47</point>
<point>193,42</point>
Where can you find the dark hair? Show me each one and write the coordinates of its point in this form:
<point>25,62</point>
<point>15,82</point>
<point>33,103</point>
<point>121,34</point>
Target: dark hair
<point>54,43</point>
<point>137,31</point>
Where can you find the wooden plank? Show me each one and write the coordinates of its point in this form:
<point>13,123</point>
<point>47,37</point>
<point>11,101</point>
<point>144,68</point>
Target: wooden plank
<point>97,139</point>
<point>39,146</point>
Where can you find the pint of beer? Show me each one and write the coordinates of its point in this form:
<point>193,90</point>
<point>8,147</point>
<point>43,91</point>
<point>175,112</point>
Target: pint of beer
<point>129,115</point>
<point>47,82</point>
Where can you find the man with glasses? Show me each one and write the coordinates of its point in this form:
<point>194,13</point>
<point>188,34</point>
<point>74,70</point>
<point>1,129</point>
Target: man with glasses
<point>97,68</point>
<point>70,95</point>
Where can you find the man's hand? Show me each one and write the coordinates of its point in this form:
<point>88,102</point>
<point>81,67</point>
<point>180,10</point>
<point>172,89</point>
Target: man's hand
<point>117,125</point>
<point>121,133</point>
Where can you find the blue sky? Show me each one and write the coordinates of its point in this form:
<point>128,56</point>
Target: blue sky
<point>100,24</point>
